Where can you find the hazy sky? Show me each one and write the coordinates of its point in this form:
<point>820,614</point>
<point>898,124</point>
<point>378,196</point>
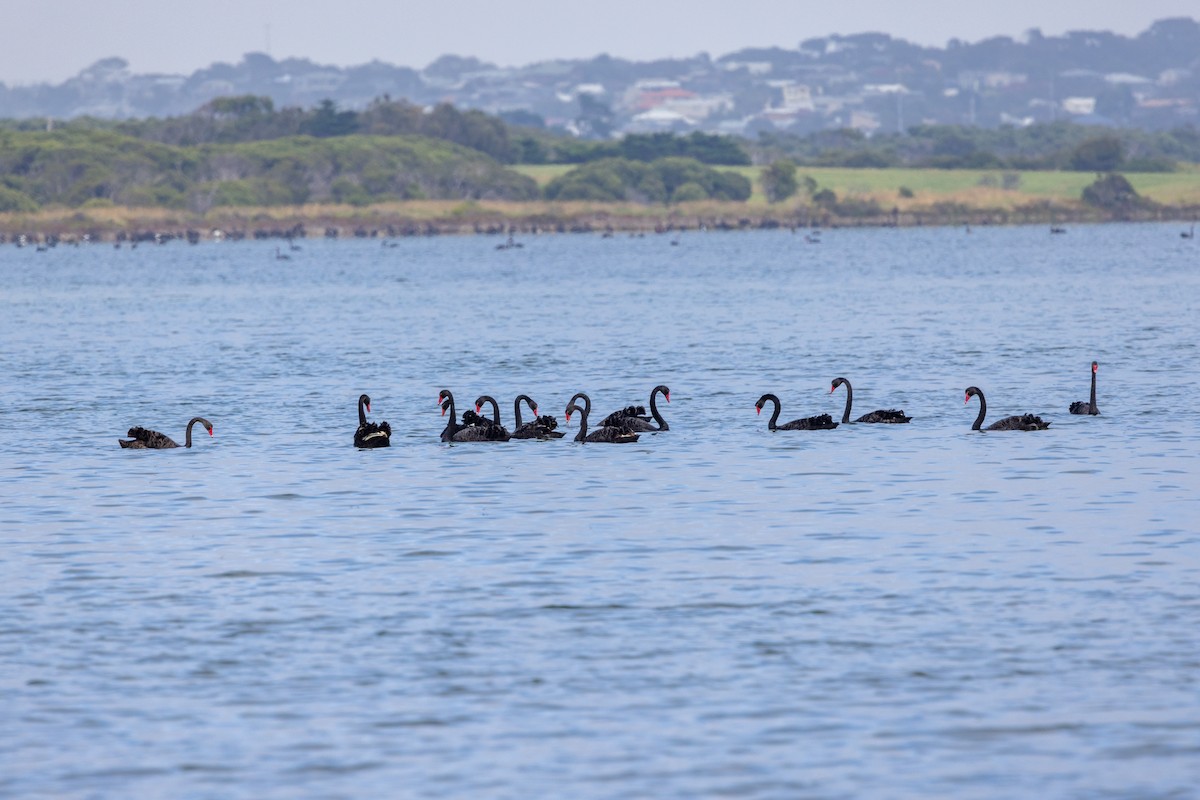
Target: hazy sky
<point>54,39</point>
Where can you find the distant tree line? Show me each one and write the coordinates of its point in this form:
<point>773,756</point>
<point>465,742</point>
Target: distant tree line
<point>242,151</point>
<point>522,138</point>
<point>81,168</point>
<point>1057,146</point>
<point>663,180</point>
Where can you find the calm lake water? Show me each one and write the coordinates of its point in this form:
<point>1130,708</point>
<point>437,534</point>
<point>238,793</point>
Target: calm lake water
<point>875,611</point>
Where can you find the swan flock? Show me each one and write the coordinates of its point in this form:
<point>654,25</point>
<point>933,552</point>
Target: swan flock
<point>623,426</point>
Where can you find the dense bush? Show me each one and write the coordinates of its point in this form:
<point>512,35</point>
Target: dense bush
<point>666,180</point>
<point>1113,192</point>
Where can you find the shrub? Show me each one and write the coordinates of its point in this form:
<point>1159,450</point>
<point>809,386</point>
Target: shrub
<point>1112,193</point>
<point>12,200</point>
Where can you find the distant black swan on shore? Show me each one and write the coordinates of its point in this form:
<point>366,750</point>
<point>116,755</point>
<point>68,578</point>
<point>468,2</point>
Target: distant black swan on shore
<point>634,417</point>
<point>821,422</point>
<point>1090,407</point>
<point>370,434</point>
<point>145,439</point>
<point>1023,422</point>
<point>889,416</point>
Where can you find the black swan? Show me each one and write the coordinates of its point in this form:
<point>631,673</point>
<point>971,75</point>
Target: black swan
<point>607,434</point>
<point>473,428</point>
<point>822,422</point>
<point>1090,407</point>
<point>1024,422</point>
<point>879,415</point>
<point>494,421</point>
<point>370,434</point>
<point>634,417</point>
<point>542,427</point>
<point>143,439</point>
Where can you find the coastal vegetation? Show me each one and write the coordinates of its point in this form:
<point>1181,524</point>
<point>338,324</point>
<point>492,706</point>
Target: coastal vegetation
<point>240,155</point>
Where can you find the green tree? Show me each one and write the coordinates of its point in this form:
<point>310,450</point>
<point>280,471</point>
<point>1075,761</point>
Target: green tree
<point>779,181</point>
<point>326,121</point>
<point>1101,154</point>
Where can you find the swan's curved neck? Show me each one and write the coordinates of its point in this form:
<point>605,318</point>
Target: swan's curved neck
<point>849,401</point>
<point>982,412</point>
<point>495,408</point>
<point>452,425</point>
<point>1093,399</point>
<point>587,401</point>
<point>662,423</point>
<point>774,414</point>
<point>517,409</point>
<point>362,414</point>
<point>583,415</point>
<point>187,442</point>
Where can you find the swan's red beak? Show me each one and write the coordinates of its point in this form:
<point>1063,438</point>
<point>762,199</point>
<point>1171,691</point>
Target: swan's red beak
<point>478,408</point>
<point>535,411</point>
<point>668,396</point>
<point>1095,367</point>
<point>568,417</point>
<point>758,409</point>
<point>368,406</point>
<point>966,399</point>
<point>210,430</point>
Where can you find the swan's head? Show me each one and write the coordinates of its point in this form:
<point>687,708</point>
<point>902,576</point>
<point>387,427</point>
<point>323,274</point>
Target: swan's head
<point>365,401</point>
<point>971,392</point>
<point>209,427</point>
<point>1095,367</point>
<point>758,407</point>
<point>444,400</point>
<point>666,392</point>
<point>836,383</point>
<point>571,409</point>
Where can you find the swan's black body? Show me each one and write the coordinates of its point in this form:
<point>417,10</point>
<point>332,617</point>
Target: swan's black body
<point>370,434</point>
<point>821,422</point>
<point>473,428</point>
<point>1090,407</point>
<point>634,417</point>
<point>891,415</point>
<point>607,434</point>
<point>542,427</point>
<point>145,439</point>
<point>1023,422</point>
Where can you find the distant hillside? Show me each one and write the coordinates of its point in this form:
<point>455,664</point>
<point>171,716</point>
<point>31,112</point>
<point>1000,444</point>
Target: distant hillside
<point>870,82</point>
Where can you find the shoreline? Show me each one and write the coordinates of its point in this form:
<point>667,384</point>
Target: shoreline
<point>446,218</point>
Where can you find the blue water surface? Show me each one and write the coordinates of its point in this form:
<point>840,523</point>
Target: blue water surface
<point>875,611</point>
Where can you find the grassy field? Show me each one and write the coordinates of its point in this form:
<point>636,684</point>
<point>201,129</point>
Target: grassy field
<point>969,187</point>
